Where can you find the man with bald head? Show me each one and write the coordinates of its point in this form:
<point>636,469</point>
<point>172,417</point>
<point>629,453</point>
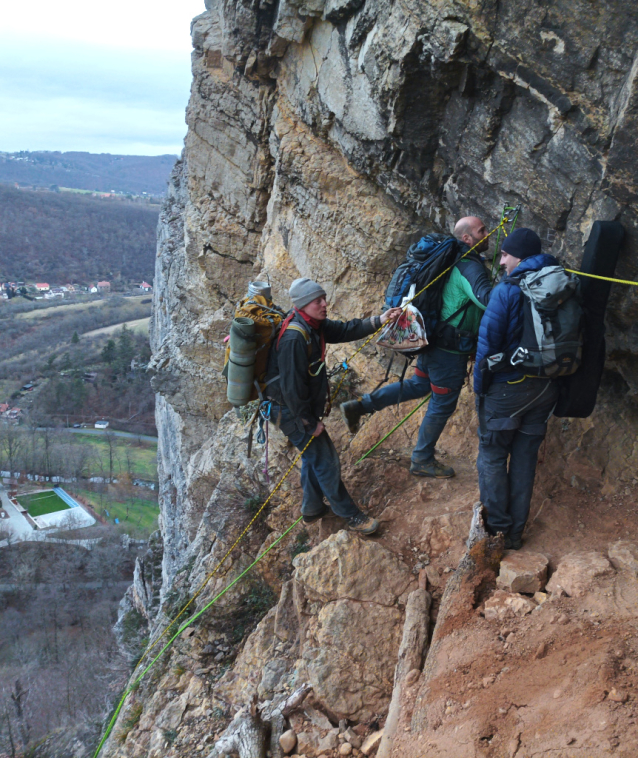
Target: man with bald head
<point>441,370</point>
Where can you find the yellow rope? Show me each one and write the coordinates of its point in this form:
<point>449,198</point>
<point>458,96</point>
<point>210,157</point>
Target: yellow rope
<point>603,278</point>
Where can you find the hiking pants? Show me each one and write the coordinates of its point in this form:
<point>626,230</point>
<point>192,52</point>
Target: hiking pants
<point>512,424</point>
<point>320,469</point>
<point>437,371</point>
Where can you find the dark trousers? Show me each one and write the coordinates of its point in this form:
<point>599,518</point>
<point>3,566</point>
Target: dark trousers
<point>512,424</point>
<point>320,469</point>
<point>439,372</point>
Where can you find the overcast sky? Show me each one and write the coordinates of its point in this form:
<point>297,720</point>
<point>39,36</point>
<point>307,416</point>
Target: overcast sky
<point>102,77</point>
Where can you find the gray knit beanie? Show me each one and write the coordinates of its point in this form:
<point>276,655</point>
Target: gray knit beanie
<point>303,291</point>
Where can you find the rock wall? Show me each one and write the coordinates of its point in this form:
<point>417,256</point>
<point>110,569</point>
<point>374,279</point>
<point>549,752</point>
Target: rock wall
<point>323,137</point>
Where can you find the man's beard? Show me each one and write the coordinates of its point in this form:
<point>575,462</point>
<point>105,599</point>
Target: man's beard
<point>482,246</point>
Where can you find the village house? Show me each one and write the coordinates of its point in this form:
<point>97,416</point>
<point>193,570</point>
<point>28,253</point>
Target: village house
<point>13,414</point>
<point>104,286</point>
<point>42,287</point>
<point>145,287</point>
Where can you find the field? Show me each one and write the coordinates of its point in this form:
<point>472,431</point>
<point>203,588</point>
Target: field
<point>67,306</point>
<point>138,516</point>
<point>128,456</point>
<point>40,503</point>
<point>140,325</point>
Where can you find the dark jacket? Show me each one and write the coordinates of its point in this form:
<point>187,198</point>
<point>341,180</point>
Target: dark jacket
<point>502,322</point>
<point>294,362</point>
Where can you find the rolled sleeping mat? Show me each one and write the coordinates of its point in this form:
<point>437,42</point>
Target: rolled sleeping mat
<point>241,364</point>
<point>578,392</point>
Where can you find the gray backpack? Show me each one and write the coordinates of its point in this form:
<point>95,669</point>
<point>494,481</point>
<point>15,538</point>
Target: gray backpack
<point>553,321</point>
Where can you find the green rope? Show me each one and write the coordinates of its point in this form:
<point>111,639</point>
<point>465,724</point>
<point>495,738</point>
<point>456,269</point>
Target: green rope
<point>383,439</point>
<point>185,625</point>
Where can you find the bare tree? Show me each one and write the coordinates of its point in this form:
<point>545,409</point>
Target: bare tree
<point>48,440</point>
<point>11,446</point>
<point>19,696</point>
<point>111,441</point>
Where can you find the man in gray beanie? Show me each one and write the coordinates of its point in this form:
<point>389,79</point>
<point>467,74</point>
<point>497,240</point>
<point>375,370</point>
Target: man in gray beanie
<point>297,383</point>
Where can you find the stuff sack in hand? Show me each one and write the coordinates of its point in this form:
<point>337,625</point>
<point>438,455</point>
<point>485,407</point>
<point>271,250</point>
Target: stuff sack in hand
<point>407,333</point>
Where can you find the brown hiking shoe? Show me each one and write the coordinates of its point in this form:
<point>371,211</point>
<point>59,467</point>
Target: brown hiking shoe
<point>363,524</point>
<point>351,413</point>
<point>432,468</point>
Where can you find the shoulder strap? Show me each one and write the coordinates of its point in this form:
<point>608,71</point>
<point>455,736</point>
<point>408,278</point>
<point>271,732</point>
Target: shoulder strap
<point>299,328</point>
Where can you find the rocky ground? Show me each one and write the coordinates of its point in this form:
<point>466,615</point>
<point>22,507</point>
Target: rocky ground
<point>542,661</point>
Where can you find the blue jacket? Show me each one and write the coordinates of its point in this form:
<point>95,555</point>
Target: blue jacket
<point>502,322</point>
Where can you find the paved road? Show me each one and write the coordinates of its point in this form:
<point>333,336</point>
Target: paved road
<point>19,527</point>
<point>98,432</point>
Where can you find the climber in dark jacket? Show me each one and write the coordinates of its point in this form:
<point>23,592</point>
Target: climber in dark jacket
<point>297,383</point>
<point>443,368</point>
<point>513,408</point>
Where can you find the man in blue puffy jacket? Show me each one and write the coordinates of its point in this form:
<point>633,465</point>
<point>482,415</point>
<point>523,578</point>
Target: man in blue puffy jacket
<point>513,408</point>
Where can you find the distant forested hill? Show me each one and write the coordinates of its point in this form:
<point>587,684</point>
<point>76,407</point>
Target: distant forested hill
<point>89,171</point>
<point>63,237</point>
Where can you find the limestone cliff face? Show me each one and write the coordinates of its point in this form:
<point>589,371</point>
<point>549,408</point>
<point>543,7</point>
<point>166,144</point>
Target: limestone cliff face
<point>325,134</point>
<point>323,137</point>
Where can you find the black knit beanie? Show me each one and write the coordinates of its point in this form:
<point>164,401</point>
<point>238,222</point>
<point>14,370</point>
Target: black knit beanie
<point>522,243</point>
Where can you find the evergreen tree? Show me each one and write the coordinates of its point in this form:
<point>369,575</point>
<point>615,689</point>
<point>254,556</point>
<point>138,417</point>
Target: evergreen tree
<point>125,350</point>
<point>109,352</point>
<point>75,339</point>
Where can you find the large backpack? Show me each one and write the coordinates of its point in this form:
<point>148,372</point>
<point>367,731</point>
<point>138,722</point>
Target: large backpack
<point>267,319</point>
<point>425,261</point>
<point>553,320</point>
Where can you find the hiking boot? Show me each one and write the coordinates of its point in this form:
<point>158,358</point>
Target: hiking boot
<point>513,542</point>
<point>316,516</point>
<point>352,412</point>
<point>363,524</point>
<point>432,468</point>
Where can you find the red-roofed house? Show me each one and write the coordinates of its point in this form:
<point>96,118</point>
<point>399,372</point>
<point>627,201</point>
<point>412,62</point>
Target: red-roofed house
<point>104,286</point>
<point>42,287</point>
<point>146,287</point>
<point>4,407</point>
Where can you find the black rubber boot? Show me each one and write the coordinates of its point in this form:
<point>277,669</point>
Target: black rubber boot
<point>352,412</point>
<point>513,542</point>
